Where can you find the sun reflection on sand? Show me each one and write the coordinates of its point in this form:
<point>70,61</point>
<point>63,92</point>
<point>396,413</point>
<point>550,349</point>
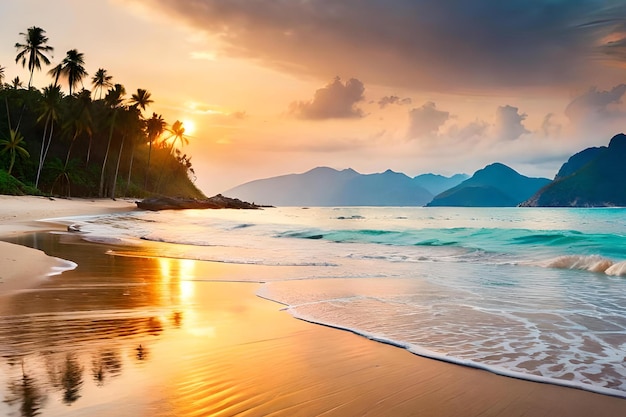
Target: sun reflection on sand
<point>179,287</point>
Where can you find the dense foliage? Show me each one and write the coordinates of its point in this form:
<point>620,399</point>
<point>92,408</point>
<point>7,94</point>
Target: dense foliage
<point>79,144</point>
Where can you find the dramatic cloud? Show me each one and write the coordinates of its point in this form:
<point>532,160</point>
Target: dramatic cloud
<point>430,122</point>
<point>335,101</point>
<point>387,100</point>
<point>509,124</point>
<point>596,105</point>
<point>425,121</point>
<point>453,45</point>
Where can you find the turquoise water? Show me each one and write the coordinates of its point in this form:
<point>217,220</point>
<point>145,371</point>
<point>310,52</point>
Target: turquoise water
<point>538,294</point>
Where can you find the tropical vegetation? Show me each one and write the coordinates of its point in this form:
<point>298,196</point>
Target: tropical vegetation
<point>64,140</point>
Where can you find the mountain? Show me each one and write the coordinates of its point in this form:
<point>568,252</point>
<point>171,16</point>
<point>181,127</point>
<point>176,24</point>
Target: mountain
<point>591,178</point>
<point>577,161</point>
<point>324,186</point>
<point>437,184</point>
<point>496,185</point>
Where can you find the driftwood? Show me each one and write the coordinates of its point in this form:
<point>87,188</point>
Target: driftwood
<point>215,202</point>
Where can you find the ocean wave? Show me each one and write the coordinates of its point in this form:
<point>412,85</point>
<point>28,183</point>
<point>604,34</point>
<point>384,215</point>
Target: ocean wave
<point>591,263</point>
<point>446,357</point>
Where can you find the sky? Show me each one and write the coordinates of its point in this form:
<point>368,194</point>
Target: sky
<point>272,87</point>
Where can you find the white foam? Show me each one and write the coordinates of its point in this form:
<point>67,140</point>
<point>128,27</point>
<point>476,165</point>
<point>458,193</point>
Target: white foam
<point>499,370</point>
<point>617,269</point>
<point>591,263</point>
<point>64,265</point>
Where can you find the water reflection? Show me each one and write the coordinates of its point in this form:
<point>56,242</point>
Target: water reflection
<point>71,379</point>
<point>78,332</point>
<point>25,393</point>
<point>105,364</point>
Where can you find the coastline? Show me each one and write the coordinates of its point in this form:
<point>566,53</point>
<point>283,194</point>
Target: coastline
<point>23,267</point>
<point>290,367</point>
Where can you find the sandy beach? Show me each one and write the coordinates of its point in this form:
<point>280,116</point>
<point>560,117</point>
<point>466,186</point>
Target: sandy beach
<point>22,267</point>
<point>147,336</point>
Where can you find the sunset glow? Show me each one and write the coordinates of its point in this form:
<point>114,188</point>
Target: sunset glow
<point>381,89</point>
<point>190,126</point>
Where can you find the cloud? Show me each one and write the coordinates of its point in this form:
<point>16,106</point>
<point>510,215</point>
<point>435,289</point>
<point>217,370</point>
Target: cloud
<point>429,122</point>
<point>451,45</point>
<point>616,49</point>
<point>387,100</point>
<point>595,105</point>
<point>203,55</point>
<point>549,127</point>
<point>202,109</point>
<point>425,121</point>
<point>473,131</point>
<point>239,115</point>
<point>334,101</point>
<point>509,124</point>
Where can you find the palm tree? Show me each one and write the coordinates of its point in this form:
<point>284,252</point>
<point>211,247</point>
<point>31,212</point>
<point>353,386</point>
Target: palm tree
<point>155,126</point>
<point>1,76</point>
<point>113,100</point>
<point>131,124</point>
<point>79,119</point>
<point>16,83</point>
<point>50,112</point>
<point>100,80</point>
<point>139,136</point>
<point>72,68</point>
<point>178,134</point>
<point>33,50</point>
<point>56,73</point>
<point>14,147</point>
<point>141,98</point>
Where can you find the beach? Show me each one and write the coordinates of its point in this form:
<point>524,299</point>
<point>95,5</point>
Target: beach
<point>145,335</point>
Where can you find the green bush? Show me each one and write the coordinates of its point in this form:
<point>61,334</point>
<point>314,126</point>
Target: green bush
<point>10,185</point>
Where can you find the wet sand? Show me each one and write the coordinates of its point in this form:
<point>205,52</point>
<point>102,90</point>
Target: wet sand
<point>148,336</point>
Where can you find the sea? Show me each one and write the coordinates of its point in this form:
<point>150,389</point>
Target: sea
<point>531,293</point>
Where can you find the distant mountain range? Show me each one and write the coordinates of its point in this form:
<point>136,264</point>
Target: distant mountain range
<point>496,185</point>
<point>594,177</point>
<point>325,187</point>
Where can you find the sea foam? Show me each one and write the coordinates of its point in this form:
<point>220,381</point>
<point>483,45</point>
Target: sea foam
<point>591,263</point>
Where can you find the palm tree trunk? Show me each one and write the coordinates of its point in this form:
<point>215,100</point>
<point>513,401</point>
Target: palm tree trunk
<point>43,144</point>
<point>106,156</point>
<point>11,163</point>
<point>117,167</point>
<point>67,158</point>
<point>145,185</point>
<point>44,149</point>
<point>130,169</point>
<point>89,149</point>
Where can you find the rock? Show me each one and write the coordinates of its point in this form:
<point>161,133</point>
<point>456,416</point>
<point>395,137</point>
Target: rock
<point>215,202</point>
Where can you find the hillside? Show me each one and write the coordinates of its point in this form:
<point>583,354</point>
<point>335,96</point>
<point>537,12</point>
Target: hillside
<point>591,178</point>
<point>325,187</point>
<point>496,185</point>
<point>437,184</point>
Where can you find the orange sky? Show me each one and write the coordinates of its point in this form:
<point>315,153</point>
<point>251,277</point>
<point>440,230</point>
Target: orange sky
<point>442,86</point>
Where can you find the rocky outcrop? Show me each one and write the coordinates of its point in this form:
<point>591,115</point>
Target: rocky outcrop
<point>215,202</point>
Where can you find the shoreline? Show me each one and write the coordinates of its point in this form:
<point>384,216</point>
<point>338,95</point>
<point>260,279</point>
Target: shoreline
<point>23,267</point>
<point>334,371</point>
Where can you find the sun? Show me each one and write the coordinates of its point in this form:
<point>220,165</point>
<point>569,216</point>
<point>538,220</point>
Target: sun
<point>190,126</point>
